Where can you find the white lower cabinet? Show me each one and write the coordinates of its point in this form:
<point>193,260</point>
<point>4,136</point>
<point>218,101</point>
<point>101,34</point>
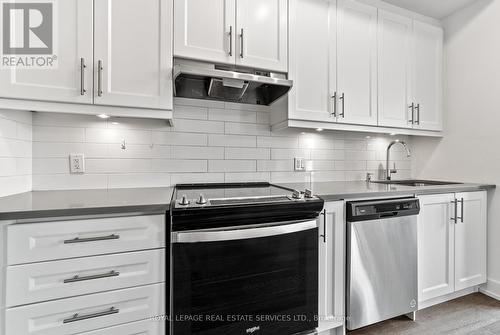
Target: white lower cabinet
<point>331,267</point>
<point>93,276</point>
<point>85,313</point>
<point>451,243</point>
<point>44,281</point>
<point>78,238</point>
<point>145,327</point>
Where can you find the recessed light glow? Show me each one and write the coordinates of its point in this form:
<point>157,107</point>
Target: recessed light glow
<point>393,134</point>
<point>368,137</point>
<point>103,116</point>
<point>303,133</point>
<point>319,129</point>
<point>114,122</point>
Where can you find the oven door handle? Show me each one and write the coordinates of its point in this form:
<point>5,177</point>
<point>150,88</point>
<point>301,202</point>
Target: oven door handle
<point>241,233</point>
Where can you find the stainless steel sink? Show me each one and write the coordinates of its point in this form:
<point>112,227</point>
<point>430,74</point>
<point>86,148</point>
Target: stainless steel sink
<point>416,182</point>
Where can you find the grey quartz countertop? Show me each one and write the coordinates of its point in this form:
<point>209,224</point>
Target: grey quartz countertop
<point>342,190</point>
<point>44,204</point>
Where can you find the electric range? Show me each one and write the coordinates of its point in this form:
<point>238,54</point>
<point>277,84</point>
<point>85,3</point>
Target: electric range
<point>244,259</point>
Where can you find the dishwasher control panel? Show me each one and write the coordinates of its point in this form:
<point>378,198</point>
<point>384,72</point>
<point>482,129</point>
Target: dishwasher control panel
<point>376,209</point>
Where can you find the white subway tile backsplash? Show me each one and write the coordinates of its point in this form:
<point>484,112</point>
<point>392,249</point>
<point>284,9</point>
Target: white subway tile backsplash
<point>247,129</point>
<point>198,126</point>
<point>277,142</point>
<point>179,138</point>
<point>182,152</point>
<point>232,166</point>
<point>190,112</point>
<point>180,178</point>
<point>211,141</point>
<point>232,141</point>
<point>247,153</point>
<point>58,134</point>
<point>110,165</point>
<point>233,115</point>
<point>179,165</point>
<point>15,152</point>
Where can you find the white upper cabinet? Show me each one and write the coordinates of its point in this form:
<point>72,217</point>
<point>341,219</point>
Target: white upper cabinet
<point>262,30</point>
<point>357,62</point>
<point>68,81</point>
<point>428,59</point>
<point>311,95</point>
<point>205,30</point>
<point>470,240</point>
<point>394,70</point>
<point>133,59</point>
<point>250,33</point>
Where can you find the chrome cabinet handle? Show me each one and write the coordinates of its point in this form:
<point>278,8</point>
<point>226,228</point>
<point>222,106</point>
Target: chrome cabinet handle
<point>242,43</point>
<point>334,97</point>
<point>412,107</point>
<point>82,76</point>
<point>99,78</point>
<point>461,217</point>
<point>342,97</point>
<point>92,239</point>
<point>417,110</point>
<point>324,226</point>
<point>77,278</point>
<point>455,218</point>
<point>80,317</point>
<point>230,40</point>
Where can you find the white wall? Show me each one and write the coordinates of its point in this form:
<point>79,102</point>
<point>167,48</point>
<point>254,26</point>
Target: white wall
<point>210,142</point>
<point>15,152</point>
<point>469,150</point>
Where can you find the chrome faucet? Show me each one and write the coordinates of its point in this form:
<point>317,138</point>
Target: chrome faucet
<point>390,171</point>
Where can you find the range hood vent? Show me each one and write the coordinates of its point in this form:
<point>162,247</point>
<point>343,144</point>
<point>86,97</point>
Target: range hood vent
<point>197,80</point>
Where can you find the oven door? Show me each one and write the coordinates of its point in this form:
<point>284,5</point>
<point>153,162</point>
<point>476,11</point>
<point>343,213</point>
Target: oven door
<point>257,280</point>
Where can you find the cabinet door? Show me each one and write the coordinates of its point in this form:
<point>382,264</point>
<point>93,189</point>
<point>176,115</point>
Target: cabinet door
<point>435,246</point>
<point>133,46</point>
<point>72,43</point>
<point>394,70</point>
<point>470,240</point>
<point>331,266</point>
<point>205,30</point>
<point>428,59</point>
<point>262,28</point>
<point>357,62</point>
<point>311,95</point>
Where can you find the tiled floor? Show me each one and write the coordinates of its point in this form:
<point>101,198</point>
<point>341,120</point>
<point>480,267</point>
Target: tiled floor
<point>475,314</point>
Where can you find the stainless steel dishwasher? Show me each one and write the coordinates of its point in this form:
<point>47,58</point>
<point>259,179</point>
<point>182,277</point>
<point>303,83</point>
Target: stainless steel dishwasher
<point>381,260</point>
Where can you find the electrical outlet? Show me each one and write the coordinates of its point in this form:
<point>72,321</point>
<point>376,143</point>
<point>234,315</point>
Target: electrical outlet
<point>299,164</point>
<point>76,163</point>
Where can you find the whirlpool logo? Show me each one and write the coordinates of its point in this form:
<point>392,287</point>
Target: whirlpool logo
<point>28,34</point>
<point>253,329</point>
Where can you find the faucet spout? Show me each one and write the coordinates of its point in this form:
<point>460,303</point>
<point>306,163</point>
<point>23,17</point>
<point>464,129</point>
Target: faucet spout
<point>390,171</point>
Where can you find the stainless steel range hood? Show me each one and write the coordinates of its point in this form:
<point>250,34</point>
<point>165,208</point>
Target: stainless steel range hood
<point>198,80</point>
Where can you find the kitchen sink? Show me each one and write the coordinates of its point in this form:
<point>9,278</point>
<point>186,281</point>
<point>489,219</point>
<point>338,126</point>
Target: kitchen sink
<point>416,182</point>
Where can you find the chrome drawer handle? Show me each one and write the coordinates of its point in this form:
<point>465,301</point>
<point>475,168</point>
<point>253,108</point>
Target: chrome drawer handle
<point>230,40</point>
<point>99,78</point>
<point>80,317</point>
<point>77,278</point>
<point>92,239</point>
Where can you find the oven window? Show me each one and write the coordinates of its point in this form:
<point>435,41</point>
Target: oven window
<point>256,286</point>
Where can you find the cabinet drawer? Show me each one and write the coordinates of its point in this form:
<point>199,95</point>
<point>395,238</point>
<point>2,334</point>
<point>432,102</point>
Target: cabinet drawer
<point>35,242</point>
<point>145,327</point>
<point>86,313</point>
<point>38,282</point>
